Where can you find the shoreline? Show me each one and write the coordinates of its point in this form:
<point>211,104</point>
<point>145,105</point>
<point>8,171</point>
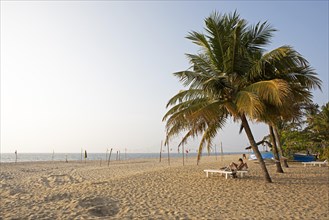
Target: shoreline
<point>61,157</point>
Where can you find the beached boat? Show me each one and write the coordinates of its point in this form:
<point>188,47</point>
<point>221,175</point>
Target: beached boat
<point>265,155</point>
<point>304,157</point>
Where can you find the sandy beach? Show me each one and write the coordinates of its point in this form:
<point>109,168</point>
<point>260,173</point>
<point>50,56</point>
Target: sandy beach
<point>147,189</point>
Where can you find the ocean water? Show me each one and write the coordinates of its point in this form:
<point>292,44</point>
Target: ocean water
<point>32,157</point>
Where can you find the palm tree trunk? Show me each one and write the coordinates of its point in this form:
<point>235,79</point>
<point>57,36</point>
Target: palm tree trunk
<point>255,148</point>
<point>277,138</point>
<point>275,151</point>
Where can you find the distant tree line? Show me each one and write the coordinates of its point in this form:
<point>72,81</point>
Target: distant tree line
<point>309,133</point>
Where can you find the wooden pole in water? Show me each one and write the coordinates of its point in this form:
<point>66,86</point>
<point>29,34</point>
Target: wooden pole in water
<point>168,154</point>
<point>85,156</point>
<point>107,150</point>
<point>160,151</point>
<point>52,157</point>
<point>221,151</point>
<point>15,156</point>
<point>216,151</point>
<point>183,152</point>
<point>108,162</point>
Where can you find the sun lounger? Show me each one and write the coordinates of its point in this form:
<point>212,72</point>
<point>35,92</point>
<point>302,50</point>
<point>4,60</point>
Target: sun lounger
<point>226,173</point>
<point>314,163</point>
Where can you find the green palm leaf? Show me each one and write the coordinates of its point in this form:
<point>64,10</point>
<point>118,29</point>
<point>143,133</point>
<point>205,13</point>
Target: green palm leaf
<point>271,91</point>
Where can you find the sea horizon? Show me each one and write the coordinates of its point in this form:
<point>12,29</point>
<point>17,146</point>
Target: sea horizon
<point>35,157</point>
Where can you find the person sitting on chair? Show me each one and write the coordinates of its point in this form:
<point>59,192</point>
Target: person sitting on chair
<point>239,166</point>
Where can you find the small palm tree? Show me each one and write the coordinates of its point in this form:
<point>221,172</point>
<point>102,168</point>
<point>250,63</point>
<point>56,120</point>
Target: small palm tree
<point>287,64</point>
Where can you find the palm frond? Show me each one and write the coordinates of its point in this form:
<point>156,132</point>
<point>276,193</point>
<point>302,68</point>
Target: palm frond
<point>271,91</point>
<point>259,35</point>
<point>248,103</point>
<point>201,40</point>
<point>208,136</point>
<point>185,95</point>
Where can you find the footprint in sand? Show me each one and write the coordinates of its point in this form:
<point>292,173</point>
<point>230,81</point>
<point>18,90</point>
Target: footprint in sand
<point>99,206</point>
<point>59,179</point>
<point>57,197</point>
<point>5,176</point>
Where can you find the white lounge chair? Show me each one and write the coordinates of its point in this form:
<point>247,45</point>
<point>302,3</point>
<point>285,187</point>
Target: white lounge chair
<point>227,173</point>
<point>314,163</point>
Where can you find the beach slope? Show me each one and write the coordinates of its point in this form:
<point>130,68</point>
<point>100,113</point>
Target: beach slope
<point>144,189</point>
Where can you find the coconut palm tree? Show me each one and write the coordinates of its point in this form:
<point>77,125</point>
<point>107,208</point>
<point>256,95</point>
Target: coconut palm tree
<point>231,76</point>
<point>318,125</point>
<point>308,133</point>
<point>291,110</point>
<point>220,82</point>
<point>294,69</point>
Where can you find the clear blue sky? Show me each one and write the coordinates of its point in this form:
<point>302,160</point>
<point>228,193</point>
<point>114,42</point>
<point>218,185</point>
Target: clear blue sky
<point>96,75</point>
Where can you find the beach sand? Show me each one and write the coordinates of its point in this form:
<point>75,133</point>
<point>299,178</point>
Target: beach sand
<point>147,189</point>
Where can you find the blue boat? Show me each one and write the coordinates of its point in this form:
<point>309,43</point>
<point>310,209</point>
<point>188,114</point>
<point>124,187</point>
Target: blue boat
<point>304,157</point>
<point>265,155</point>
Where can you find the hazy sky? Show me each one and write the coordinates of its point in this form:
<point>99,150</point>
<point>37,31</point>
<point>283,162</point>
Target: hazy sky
<point>96,75</point>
